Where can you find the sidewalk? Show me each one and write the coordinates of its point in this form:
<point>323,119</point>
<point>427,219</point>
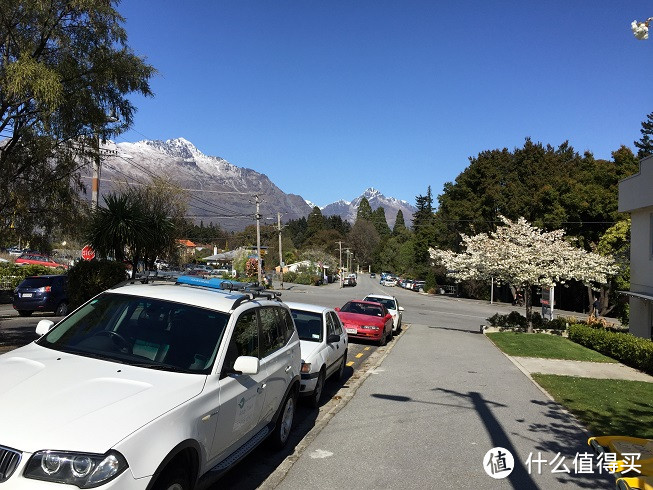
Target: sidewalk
<point>583,369</point>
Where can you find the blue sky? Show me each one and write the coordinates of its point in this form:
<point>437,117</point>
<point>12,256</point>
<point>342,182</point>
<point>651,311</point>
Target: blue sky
<point>329,98</point>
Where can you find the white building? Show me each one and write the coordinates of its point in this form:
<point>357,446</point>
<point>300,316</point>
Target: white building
<point>636,197</point>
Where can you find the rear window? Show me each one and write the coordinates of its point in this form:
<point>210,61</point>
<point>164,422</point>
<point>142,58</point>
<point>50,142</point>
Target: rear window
<point>36,282</point>
<point>309,325</point>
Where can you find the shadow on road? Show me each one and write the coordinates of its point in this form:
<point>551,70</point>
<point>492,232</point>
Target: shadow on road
<point>567,440</point>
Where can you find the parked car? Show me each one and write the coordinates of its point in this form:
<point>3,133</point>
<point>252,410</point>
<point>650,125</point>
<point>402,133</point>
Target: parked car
<point>349,280</point>
<point>149,386</point>
<point>42,293</point>
<point>419,285</point>
<point>389,281</point>
<point>372,274</point>
<point>39,259</point>
<point>392,305</point>
<point>323,342</point>
<point>366,320</point>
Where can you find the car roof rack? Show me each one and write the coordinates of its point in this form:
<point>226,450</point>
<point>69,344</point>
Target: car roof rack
<point>250,290</point>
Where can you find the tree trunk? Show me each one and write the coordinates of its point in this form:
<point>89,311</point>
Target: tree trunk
<point>529,306</point>
<point>590,299</point>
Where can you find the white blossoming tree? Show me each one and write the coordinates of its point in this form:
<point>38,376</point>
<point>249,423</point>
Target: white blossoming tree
<point>640,29</point>
<point>523,256</point>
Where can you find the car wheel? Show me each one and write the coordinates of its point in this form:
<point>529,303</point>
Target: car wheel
<point>25,312</point>
<point>340,373</point>
<point>282,428</point>
<point>391,335</point>
<point>383,340</point>
<point>314,399</point>
<point>175,478</point>
<point>62,309</point>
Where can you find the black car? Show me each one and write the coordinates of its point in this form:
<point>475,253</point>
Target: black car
<point>42,293</point>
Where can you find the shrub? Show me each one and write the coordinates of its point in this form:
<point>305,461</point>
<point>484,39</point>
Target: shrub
<point>11,274</point>
<point>90,277</point>
<point>289,276</point>
<point>633,351</point>
<point>556,324</point>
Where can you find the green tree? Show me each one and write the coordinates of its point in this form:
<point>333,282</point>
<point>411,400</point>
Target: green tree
<point>364,211</point>
<point>65,66</point>
<point>380,222</point>
<point>315,222</point>
<point>400,224</point>
<point>424,232</point>
<point>551,187</point>
<point>363,240</point>
<point>645,144</point>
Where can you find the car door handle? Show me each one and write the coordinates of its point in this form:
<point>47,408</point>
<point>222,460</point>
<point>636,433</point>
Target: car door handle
<point>261,388</point>
<point>288,368</point>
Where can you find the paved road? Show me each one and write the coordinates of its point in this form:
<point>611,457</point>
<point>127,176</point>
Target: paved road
<point>440,400</point>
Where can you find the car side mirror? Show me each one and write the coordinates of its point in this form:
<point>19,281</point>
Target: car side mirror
<point>337,308</point>
<point>401,308</point>
<point>247,365</point>
<point>333,339</point>
<point>44,327</point>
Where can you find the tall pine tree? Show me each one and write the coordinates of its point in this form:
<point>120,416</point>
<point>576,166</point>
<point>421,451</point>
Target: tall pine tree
<point>645,143</point>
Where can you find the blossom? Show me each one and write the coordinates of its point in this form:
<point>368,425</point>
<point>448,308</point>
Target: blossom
<point>640,29</point>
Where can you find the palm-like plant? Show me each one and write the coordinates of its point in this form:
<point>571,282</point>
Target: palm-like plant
<point>119,228</point>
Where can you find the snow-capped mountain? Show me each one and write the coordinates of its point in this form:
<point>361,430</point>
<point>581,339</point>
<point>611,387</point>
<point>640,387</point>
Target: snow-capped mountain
<point>219,192</point>
<point>347,210</point>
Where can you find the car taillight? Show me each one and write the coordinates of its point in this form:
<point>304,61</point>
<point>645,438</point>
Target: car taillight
<point>45,289</point>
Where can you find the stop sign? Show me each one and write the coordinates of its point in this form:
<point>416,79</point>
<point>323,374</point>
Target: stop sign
<point>88,253</point>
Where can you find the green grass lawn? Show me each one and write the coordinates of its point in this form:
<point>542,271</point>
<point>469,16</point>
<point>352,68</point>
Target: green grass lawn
<point>544,345</point>
<point>604,406</point>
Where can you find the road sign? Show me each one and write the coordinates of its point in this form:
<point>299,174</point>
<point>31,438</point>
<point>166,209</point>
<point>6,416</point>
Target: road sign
<point>88,253</point>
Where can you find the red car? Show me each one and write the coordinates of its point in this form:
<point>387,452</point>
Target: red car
<point>38,259</point>
<point>366,320</point>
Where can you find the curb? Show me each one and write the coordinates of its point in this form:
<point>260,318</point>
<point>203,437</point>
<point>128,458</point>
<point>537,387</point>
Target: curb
<point>279,474</point>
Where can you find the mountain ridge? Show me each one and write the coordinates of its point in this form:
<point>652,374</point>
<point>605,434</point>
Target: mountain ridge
<point>211,178</point>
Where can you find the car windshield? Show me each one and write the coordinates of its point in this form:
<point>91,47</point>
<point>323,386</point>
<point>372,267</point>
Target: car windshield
<point>309,325</point>
<point>362,308</point>
<point>388,303</point>
<point>142,332</point>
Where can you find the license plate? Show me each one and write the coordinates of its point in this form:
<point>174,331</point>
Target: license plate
<point>352,331</point>
<point>26,295</point>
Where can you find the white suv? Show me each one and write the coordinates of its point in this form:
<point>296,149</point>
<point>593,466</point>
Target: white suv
<point>148,386</point>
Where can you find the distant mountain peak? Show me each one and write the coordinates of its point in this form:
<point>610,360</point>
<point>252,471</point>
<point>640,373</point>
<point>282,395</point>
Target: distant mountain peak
<point>348,210</point>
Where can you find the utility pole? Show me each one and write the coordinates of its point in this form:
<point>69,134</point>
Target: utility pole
<point>340,266</point>
<point>95,186</point>
<point>258,239</point>
<point>280,253</point>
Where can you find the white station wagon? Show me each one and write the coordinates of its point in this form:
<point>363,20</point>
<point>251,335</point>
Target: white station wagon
<point>148,386</point>
<point>323,343</point>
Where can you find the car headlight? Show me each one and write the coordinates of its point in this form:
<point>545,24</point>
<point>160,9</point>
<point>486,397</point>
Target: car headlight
<point>370,327</point>
<point>84,470</point>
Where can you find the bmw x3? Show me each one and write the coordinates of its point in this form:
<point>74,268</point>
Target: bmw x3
<point>149,386</point>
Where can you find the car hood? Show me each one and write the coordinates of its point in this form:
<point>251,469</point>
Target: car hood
<point>308,348</point>
<point>55,400</point>
<point>360,319</point>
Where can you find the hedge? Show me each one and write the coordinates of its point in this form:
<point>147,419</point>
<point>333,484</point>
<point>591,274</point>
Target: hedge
<point>11,275</point>
<point>632,351</point>
<point>518,321</point>
<point>90,277</point>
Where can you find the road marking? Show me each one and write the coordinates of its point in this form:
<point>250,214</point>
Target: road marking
<point>350,363</point>
<point>367,348</point>
<point>321,454</point>
<point>359,355</point>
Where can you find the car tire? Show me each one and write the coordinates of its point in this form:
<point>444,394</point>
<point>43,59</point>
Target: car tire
<point>62,309</point>
<point>340,373</point>
<point>316,396</point>
<point>175,478</point>
<point>25,312</point>
<point>391,335</point>
<point>281,432</point>
<point>383,340</point>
